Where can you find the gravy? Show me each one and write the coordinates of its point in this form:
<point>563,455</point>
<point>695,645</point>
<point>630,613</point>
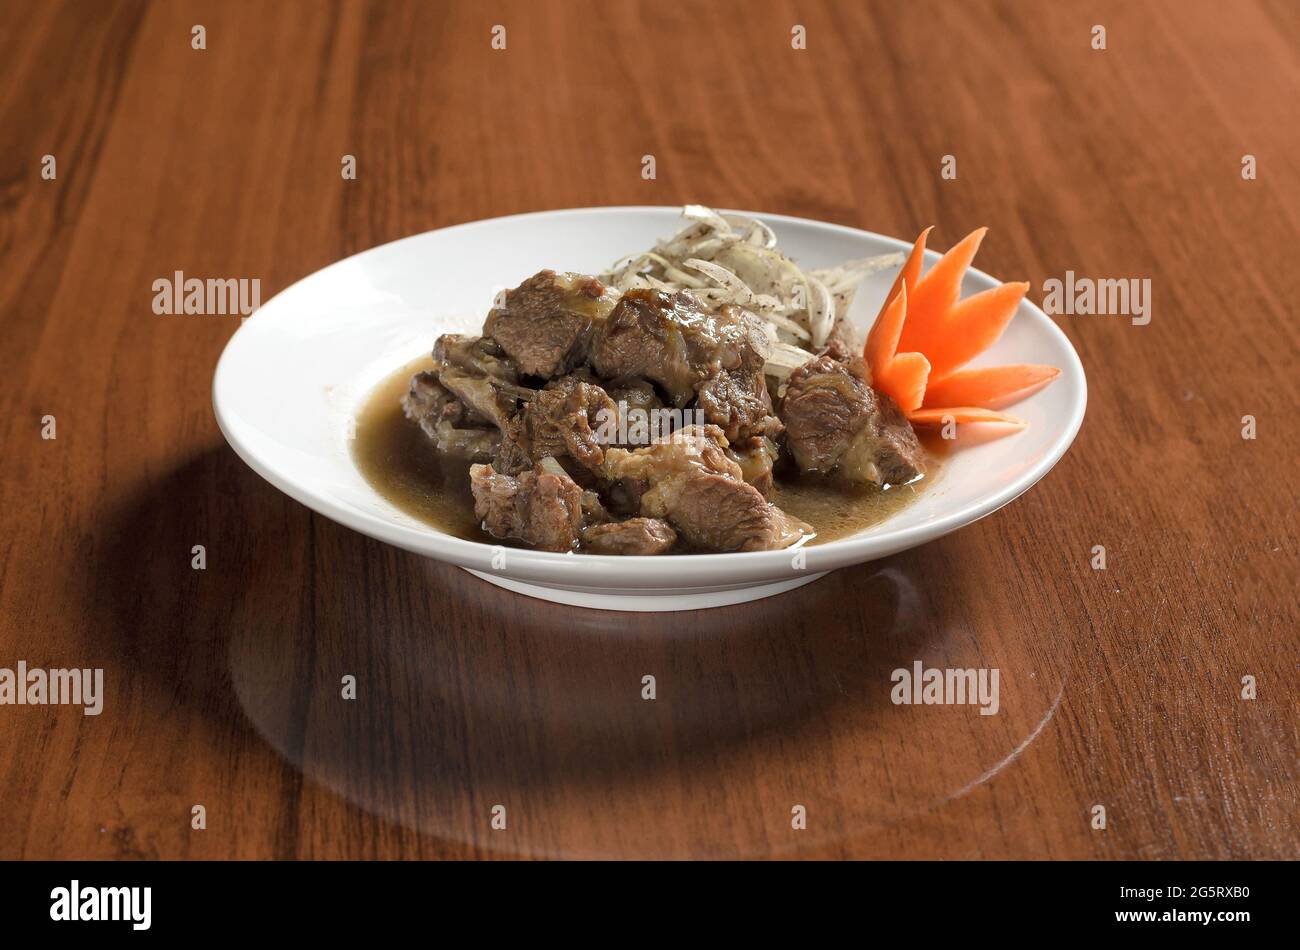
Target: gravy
<point>400,463</point>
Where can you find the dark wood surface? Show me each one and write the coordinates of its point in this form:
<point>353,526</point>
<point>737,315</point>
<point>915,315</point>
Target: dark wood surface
<point>1119,688</point>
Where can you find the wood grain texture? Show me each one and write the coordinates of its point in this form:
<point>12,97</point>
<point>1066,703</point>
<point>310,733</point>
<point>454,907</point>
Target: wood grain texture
<point>1119,687</point>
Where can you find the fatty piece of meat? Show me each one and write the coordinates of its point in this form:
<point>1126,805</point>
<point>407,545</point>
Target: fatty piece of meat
<point>690,481</point>
<point>565,420</point>
<point>427,402</point>
<point>473,387</point>
<point>673,340</point>
<point>631,393</point>
<point>454,428</point>
<point>476,371</point>
<point>481,394</point>
<point>545,323</point>
<point>478,356</point>
<point>756,457</point>
<point>637,536</point>
<point>886,450</point>
<point>542,507</point>
<point>837,424</point>
<point>473,445</point>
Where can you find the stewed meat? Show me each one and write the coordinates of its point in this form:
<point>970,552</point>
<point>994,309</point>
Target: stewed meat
<point>689,480</point>
<point>545,323</point>
<point>481,394</point>
<point>649,334</point>
<point>476,355</point>
<point>642,536</point>
<point>639,420</point>
<point>542,506</point>
<point>837,424</point>
<point>455,428</point>
<point>713,357</point>
<point>562,420</point>
<point>737,402</point>
<point>633,394</point>
<point>470,397</point>
<point>427,402</point>
<point>756,457</point>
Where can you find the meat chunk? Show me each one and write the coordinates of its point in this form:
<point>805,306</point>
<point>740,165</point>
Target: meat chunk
<point>837,424</point>
<point>674,341</point>
<point>643,536</point>
<point>718,513</point>
<point>427,402</point>
<point>647,335</point>
<point>715,358</point>
<point>632,394</point>
<point>463,403</point>
<point>480,394</point>
<point>738,403</point>
<point>480,383</point>
<point>542,507</point>
<point>567,419</point>
<point>454,428</point>
<point>545,323</point>
<point>476,355</point>
<point>690,481</point>
<point>756,457</point>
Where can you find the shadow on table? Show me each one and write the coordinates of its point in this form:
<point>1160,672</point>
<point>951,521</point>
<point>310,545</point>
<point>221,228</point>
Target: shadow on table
<point>469,697</point>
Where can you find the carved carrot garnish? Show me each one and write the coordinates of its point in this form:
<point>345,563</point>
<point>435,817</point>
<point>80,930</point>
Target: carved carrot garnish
<point>925,334</point>
<point>902,375</point>
<point>991,387</point>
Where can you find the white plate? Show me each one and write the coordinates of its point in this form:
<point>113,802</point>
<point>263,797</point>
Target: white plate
<point>292,376</point>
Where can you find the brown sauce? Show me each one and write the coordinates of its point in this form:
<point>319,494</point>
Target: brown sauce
<point>399,462</point>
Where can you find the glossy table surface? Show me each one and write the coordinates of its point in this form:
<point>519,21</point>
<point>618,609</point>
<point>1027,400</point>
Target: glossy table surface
<point>1120,688</point>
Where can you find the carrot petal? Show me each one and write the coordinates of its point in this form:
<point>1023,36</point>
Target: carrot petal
<point>961,414</point>
<point>903,379</point>
<point>972,326</point>
<point>990,387</point>
<point>882,340</point>
<point>910,272</point>
<point>937,291</point>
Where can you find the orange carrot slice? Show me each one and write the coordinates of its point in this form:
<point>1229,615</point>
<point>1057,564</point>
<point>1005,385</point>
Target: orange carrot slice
<point>990,387</point>
<point>972,326</point>
<point>911,271</point>
<point>936,292</point>
<point>882,341</point>
<point>904,380</point>
<point>935,416</point>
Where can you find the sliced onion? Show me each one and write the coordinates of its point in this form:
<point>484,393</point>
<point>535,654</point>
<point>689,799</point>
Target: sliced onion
<point>821,311</point>
<point>786,356</point>
<point>788,325</point>
<point>756,232</point>
<point>724,277</point>
<point>848,275</point>
<point>707,216</point>
<point>738,253</point>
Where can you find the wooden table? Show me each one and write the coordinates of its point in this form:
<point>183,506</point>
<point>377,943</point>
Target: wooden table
<point>1119,687</point>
